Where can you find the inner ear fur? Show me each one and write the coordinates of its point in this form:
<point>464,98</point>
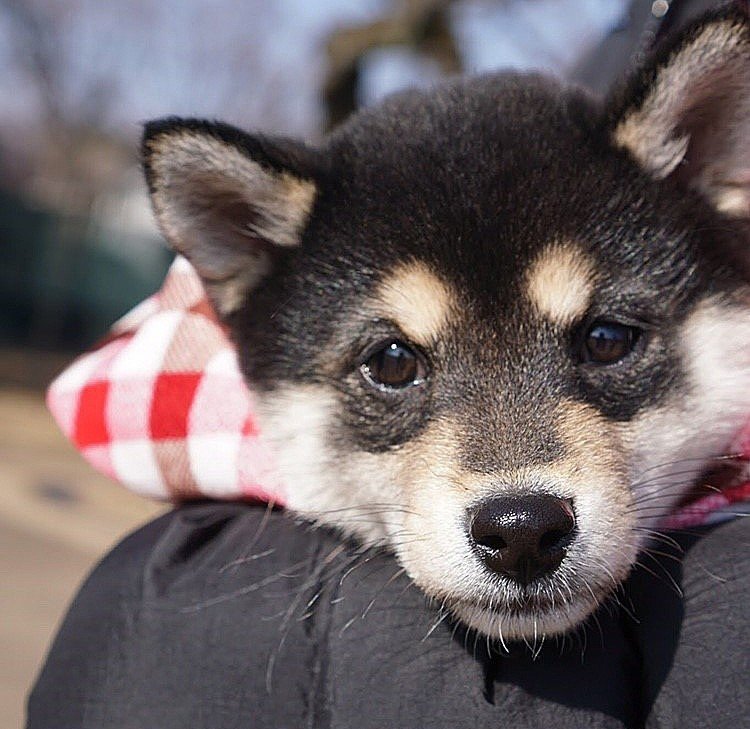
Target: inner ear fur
<point>228,201</point>
<point>686,114</point>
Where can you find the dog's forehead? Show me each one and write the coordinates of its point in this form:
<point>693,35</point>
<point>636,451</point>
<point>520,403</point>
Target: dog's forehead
<point>467,154</point>
<point>425,301</point>
<point>502,184</point>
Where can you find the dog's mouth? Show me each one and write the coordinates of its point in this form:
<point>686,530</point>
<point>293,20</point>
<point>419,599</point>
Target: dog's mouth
<point>534,616</point>
<point>539,609</point>
<point>524,602</point>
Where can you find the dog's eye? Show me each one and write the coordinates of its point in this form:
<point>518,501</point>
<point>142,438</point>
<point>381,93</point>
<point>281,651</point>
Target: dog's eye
<point>393,366</point>
<point>607,342</point>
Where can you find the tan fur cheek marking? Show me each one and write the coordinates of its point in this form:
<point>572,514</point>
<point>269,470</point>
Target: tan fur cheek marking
<point>353,491</point>
<point>417,300</point>
<point>433,546</point>
<point>593,472</point>
<point>433,455</point>
<point>593,445</point>
<point>560,283</point>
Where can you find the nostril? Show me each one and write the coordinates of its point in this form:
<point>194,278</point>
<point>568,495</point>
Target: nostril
<point>493,542</point>
<point>559,535</point>
<point>487,533</point>
<point>554,539</point>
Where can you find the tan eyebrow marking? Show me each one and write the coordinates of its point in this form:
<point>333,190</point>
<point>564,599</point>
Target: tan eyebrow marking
<point>560,282</point>
<point>417,300</point>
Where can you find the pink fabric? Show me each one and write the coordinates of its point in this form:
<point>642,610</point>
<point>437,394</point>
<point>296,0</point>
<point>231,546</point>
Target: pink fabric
<point>162,408</point>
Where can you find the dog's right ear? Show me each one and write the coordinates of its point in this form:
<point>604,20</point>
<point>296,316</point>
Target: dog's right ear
<point>227,201</point>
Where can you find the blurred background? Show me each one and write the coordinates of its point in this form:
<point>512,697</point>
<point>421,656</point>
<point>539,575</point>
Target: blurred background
<point>78,246</point>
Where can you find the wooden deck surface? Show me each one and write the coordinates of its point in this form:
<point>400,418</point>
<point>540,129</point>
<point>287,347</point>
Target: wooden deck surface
<point>57,517</point>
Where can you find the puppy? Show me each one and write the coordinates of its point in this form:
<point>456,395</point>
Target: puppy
<point>499,327</point>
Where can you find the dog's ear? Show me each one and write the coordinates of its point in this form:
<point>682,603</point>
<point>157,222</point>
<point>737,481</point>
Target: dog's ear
<point>686,114</point>
<point>229,202</point>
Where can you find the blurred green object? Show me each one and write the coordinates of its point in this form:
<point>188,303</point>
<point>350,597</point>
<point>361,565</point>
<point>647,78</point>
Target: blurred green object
<point>65,279</point>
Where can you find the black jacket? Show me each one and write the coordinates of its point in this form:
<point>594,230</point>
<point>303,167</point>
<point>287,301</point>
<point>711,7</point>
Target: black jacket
<point>224,615</point>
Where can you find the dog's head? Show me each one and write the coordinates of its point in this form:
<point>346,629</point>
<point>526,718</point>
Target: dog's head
<point>498,327</point>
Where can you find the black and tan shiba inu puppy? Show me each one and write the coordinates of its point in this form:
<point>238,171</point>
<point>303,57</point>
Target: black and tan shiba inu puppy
<point>498,327</point>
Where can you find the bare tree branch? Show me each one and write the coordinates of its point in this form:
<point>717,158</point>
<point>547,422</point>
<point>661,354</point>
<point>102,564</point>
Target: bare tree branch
<point>419,24</point>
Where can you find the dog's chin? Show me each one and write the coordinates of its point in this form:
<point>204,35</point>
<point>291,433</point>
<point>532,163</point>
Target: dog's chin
<point>527,620</point>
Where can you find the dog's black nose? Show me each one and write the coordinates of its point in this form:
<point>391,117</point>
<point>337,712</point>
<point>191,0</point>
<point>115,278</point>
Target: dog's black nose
<point>523,537</point>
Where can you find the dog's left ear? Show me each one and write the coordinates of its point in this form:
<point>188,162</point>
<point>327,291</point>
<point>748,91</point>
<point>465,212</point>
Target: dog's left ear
<point>686,114</point>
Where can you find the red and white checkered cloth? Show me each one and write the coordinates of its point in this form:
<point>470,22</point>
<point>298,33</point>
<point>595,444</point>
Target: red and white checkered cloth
<point>161,407</point>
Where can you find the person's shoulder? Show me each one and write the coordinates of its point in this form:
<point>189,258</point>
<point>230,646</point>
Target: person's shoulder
<point>198,598</point>
<point>202,537</point>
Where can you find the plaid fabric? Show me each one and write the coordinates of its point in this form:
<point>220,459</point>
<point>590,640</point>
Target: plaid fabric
<point>161,406</point>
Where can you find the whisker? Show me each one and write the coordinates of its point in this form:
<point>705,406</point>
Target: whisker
<point>395,576</point>
<point>442,615</point>
<point>660,553</point>
<point>258,533</point>
<point>707,459</point>
<point>247,589</point>
<point>678,488</point>
<point>651,572</point>
<point>660,536</point>
<point>671,579</point>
